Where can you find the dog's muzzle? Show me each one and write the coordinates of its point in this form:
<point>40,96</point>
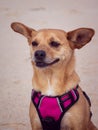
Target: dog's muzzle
<point>40,59</point>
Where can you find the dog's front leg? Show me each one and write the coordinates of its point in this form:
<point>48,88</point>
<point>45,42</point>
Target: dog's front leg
<point>34,125</point>
<point>34,119</point>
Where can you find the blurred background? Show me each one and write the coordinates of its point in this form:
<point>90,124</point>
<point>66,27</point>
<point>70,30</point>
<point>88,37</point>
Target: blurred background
<point>15,65</point>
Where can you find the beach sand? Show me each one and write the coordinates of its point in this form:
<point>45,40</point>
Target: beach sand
<point>15,65</point>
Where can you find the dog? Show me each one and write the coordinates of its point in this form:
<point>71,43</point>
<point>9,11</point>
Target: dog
<point>57,101</point>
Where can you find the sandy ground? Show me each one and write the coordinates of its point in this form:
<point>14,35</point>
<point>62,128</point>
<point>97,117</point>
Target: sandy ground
<point>15,68</point>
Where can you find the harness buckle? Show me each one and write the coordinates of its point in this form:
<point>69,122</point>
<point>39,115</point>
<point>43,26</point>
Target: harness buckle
<point>50,124</point>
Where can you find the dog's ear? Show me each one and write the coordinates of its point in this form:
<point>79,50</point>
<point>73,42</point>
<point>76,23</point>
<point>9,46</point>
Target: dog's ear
<point>80,37</point>
<point>22,29</point>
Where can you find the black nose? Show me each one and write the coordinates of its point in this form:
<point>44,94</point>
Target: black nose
<point>40,55</point>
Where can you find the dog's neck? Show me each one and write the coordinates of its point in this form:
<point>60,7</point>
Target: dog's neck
<point>55,81</point>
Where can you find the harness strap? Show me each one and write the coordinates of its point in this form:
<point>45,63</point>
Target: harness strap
<point>89,101</point>
<point>36,96</point>
<point>69,99</point>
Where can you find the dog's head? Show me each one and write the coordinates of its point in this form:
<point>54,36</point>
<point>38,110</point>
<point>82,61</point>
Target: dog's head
<point>50,47</point>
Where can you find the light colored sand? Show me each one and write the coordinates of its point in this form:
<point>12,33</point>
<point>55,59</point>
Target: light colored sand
<point>15,68</point>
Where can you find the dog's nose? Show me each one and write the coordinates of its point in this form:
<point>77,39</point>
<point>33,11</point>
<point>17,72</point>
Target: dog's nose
<point>40,55</point>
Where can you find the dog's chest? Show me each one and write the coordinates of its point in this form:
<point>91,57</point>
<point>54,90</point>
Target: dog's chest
<point>50,89</point>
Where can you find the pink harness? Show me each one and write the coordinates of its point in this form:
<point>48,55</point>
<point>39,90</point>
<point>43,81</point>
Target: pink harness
<point>52,108</point>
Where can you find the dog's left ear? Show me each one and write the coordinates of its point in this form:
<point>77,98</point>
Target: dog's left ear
<point>80,37</point>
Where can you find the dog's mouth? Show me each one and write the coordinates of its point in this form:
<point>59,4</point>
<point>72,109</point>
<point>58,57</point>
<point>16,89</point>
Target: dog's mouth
<point>42,64</point>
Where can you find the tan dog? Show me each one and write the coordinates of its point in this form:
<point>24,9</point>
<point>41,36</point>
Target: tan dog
<point>53,60</point>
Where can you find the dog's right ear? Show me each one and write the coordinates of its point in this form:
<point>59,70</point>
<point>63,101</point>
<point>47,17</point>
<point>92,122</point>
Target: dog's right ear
<point>23,29</point>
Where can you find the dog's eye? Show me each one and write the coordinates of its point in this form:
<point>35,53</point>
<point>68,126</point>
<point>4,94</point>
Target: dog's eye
<point>54,44</point>
<point>34,43</point>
